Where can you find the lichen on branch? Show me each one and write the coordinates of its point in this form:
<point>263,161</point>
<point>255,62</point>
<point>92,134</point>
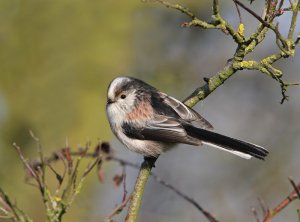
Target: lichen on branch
<point>236,62</point>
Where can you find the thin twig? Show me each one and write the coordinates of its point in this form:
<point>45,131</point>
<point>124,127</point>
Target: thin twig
<point>252,13</point>
<point>255,214</point>
<point>124,163</point>
<point>11,210</point>
<point>167,185</point>
<point>5,201</point>
<point>208,215</point>
<point>294,186</point>
<point>280,5</point>
<point>40,152</point>
<point>289,199</point>
<point>57,175</point>
<point>263,206</point>
<point>265,23</point>
<point>239,12</point>
<point>117,209</point>
<point>124,183</point>
<point>91,166</point>
<point>178,7</point>
<point>295,7</point>
<point>217,23</point>
<point>268,214</point>
<point>28,167</point>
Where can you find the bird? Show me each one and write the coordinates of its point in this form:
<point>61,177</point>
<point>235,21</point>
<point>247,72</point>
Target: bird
<point>150,122</point>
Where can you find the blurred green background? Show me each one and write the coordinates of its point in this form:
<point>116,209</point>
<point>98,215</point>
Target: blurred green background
<point>57,58</point>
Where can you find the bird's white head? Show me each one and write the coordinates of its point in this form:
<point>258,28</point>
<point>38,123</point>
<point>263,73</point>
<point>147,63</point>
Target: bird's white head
<point>121,97</point>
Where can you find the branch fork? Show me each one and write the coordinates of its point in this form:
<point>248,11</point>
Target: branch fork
<point>244,46</point>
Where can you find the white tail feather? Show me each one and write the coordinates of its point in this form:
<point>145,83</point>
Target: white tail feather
<point>240,154</point>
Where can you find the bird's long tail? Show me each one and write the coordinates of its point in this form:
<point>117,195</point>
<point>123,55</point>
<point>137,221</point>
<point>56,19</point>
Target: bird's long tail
<point>235,146</point>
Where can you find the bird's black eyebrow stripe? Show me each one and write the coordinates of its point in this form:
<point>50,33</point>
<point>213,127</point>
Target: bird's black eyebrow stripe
<point>123,86</point>
<point>132,83</point>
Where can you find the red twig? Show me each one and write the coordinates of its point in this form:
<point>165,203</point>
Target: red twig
<point>290,198</point>
<point>263,206</point>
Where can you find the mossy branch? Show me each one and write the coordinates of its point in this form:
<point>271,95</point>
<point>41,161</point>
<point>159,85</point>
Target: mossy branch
<point>139,187</point>
<point>235,63</point>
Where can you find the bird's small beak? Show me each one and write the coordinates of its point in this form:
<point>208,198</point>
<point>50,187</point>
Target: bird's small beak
<point>109,101</point>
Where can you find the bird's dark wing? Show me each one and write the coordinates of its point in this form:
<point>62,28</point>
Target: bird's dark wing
<point>160,128</point>
<point>186,113</point>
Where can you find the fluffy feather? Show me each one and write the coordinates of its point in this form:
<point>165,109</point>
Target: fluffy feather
<point>149,122</point>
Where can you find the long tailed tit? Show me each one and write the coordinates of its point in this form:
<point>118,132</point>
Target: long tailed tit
<point>149,122</point>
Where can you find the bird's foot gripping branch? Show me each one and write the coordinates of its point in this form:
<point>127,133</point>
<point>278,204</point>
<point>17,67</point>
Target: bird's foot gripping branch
<point>268,22</point>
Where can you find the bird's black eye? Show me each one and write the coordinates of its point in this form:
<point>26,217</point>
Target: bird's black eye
<point>123,96</point>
